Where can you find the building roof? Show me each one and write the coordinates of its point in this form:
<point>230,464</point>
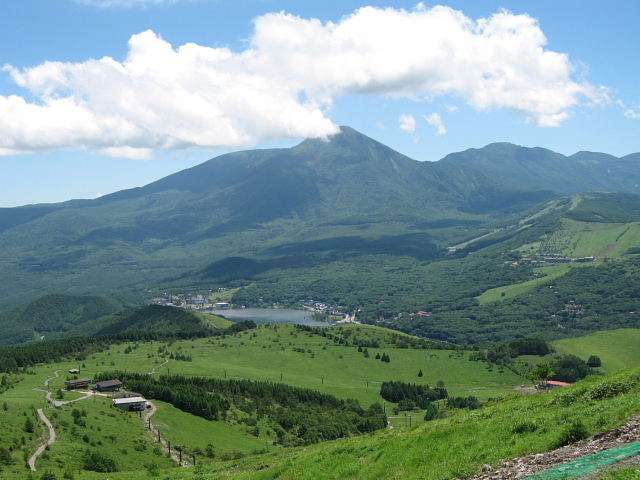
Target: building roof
<point>109,383</point>
<point>124,401</point>
<point>77,381</point>
<point>556,383</point>
<point>125,395</point>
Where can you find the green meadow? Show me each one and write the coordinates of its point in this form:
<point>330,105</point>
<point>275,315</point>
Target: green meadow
<point>453,447</point>
<point>456,444</point>
<point>616,348</point>
<point>274,353</point>
<point>280,353</point>
<point>575,239</point>
<point>548,274</point>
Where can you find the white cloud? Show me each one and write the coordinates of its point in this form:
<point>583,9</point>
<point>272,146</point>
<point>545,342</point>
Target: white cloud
<point>407,123</point>
<point>435,120</point>
<point>628,112</point>
<point>284,83</point>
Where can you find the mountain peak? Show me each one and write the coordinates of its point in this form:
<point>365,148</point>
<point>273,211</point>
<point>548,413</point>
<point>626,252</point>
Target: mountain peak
<point>346,137</point>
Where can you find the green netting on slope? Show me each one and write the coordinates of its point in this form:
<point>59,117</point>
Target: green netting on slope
<point>588,465</point>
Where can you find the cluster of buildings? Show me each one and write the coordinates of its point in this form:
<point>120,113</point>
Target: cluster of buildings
<point>197,302</point>
<point>554,260</point>
<point>323,308</point>
<point>129,401</point>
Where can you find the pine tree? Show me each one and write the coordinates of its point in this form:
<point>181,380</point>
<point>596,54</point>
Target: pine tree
<point>28,425</point>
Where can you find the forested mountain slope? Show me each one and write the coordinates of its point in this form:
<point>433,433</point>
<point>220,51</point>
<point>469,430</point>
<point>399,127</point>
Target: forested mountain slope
<point>53,315</point>
<point>349,187</point>
<point>544,169</point>
<point>481,291</point>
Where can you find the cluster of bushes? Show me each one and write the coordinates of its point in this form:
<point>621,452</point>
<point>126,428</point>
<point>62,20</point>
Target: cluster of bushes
<point>419,396</point>
<point>571,368</point>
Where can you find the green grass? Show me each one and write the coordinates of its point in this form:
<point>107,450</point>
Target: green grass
<point>510,291</point>
<point>182,428</point>
<point>266,353</point>
<point>449,448</point>
<point>576,239</point>
<point>579,239</point>
<point>337,370</point>
<point>455,445</point>
<point>129,445</point>
<point>616,348</point>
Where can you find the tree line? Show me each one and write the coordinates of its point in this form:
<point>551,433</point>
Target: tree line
<point>298,416</point>
<point>13,358</point>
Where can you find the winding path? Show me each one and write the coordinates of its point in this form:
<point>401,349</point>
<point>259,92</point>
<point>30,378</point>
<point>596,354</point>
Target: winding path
<point>56,403</point>
<point>52,438</point>
<point>52,432</point>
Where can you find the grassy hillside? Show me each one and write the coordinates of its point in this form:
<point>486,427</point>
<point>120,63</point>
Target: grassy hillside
<point>275,353</point>
<point>456,445</point>
<point>453,447</point>
<point>616,348</point>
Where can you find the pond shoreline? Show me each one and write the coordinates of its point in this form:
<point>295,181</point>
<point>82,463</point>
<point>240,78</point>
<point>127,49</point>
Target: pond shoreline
<point>269,315</point>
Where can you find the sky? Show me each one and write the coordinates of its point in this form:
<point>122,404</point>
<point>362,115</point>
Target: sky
<point>97,96</point>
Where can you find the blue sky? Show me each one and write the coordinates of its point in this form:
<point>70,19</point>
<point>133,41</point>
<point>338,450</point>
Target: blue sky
<point>102,95</point>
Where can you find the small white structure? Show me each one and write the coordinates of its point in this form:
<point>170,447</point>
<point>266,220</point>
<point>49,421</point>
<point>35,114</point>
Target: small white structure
<point>131,404</point>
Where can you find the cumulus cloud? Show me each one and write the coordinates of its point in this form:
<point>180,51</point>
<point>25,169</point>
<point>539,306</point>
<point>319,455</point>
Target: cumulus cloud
<point>284,84</point>
<point>435,120</point>
<point>628,112</point>
<point>407,123</point>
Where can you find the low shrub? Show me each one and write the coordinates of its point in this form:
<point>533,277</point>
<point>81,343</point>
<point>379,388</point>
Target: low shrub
<point>572,433</point>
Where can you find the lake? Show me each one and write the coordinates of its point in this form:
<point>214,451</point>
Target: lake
<point>269,315</point>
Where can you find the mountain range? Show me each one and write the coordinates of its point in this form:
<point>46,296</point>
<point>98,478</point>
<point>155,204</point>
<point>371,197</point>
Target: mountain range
<point>347,220</point>
<point>238,204</point>
<point>542,168</point>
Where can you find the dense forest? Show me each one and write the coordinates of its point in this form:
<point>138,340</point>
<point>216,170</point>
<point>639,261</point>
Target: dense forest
<point>585,300</point>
